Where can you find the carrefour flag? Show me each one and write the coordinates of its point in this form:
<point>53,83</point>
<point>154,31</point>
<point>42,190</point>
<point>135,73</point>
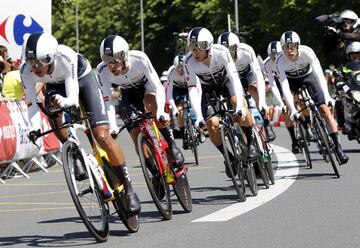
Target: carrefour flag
<point>19,18</point>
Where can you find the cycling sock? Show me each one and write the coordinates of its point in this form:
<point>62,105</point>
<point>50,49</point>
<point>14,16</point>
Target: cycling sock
<point>307,119</point>
<point>292,134</point>
<point>182,131</point>
<point>168,135</point>
<point>221,149</point>
<point>249,134</point>
<point>122,172</point>
<point>304,121</point>
<point>336,140</point>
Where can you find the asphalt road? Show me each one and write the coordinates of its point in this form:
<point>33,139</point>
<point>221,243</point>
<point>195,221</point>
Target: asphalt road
<point>305,208</point>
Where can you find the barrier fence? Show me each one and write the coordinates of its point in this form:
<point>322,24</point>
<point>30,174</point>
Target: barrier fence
<point>16,148</point>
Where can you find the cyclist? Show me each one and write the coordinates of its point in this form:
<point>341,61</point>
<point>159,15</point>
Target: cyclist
<point>250,74</point>
<point>140,87</point>
<point>213,65</point>
<point>176,90</point>
<point>274,49</point>
<point>69,80</point>
<point>298,65</point>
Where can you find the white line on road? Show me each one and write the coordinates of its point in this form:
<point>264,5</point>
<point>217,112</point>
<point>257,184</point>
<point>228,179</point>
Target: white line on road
<point>286,173</point>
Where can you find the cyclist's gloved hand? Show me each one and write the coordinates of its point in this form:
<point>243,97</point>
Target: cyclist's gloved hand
<point>241,112</point>
<point>60,100</point>
<point>294,115</point>
<point>200,124</point>
<point>162,116</point>
<point>33,135</point>
<point>175,112</point>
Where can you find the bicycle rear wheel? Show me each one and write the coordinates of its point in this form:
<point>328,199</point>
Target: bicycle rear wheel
<point>183,192</point>
<point>304,145</point>
<point>260,163</point>
<point>88,202</point>
<point>248,170</point>
<point>324,137</point>
<point>130,222</point>
<point>228,143</point>
<point>155,181</point>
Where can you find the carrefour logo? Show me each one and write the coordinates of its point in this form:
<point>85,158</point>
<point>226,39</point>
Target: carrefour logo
<point>19,29</point>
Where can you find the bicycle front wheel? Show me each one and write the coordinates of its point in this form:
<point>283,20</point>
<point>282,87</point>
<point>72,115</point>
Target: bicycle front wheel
<point>194,140</point>
<point>325,143</point>
<point>304,145</point>
<point>228,143</point>
<point>88,200</point>
<point>155,181</point>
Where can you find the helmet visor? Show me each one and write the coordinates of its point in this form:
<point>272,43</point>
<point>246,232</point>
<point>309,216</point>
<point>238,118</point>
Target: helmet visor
<point>198,46</point>
<point>35,63</point>
<point>117,57</point>
<point>291,46</point>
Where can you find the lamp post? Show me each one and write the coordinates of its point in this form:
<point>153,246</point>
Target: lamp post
<point>236,16</point>
<point>142,26</point>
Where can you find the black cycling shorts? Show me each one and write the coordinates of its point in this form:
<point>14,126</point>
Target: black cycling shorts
<point>225,89</point>
<point>178,93</point>
<point>90,97</point>
<point>309,80</point>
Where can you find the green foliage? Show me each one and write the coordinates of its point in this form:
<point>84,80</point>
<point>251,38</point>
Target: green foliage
<point>265,21</point>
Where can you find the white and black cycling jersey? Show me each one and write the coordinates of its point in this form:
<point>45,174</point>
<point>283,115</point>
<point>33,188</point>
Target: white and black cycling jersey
<point>246,60</point>
<point>306,63</point>
<point>270,70</point>
<point>176,79</point>
<point>141,71</point>
<point>66,70</point>
<point>216,72</point>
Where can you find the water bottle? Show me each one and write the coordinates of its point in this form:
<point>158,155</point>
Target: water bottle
<point>258,117</point>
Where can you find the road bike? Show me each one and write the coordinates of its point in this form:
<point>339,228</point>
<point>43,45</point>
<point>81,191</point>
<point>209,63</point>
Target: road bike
<point>264,161</point>
<point>324,142</point>
<point>191,135</point>
<point>235,150</point>
<point>88,193</point>
<point>156,161</point>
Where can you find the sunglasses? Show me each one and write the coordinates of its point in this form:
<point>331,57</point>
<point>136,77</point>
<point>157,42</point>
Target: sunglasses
<point>36,63</point>
<point>198,46</point>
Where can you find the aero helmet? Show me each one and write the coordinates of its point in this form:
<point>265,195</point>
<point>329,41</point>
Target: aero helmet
<point>114,48</point>
<point>289,37</point>
<point>41,47</point>
<point>230,40</point>
<point>200,39</point>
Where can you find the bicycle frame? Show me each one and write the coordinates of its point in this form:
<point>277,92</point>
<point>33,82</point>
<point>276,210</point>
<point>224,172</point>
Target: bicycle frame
<point>160,148</point>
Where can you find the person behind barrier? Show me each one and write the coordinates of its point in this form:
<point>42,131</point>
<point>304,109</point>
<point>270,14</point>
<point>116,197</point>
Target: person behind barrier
<point>69,80</point>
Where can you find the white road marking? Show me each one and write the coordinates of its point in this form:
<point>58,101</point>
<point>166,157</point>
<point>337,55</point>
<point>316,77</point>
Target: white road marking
<point>286,173</point>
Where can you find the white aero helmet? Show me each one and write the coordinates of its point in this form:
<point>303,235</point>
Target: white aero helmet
<point>179,60</point>
<point>40,47</point>
<point>274,47</point>
<point>351,15</point>
<point>200,39</point>
<point>353,47</point>
<point>114,48</point>
<point>230,40</point>
<point>289,37</point>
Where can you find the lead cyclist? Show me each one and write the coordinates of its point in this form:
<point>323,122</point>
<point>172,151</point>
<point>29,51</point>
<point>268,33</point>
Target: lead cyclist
<point>69,80</point>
